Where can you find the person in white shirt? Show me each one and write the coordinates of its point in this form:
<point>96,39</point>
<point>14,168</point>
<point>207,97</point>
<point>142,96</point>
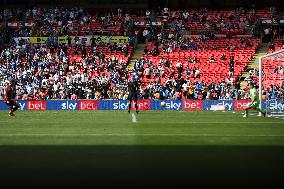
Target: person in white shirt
<point>145,35</point>
<point>119,12</point>
<point>178,64</point>
<point>108,38</point>
<point>59,23</point>
<point>170,36</point>
<point>165,10</point>
<point>266,31</point>
<point>185,15</point>
<point>165,13</point>
<point>145,32</point>
<point>147,73</point>
<point>148,14</point>
<point>197,73</point>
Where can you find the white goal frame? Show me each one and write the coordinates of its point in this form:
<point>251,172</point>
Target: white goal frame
<point>260,75</point>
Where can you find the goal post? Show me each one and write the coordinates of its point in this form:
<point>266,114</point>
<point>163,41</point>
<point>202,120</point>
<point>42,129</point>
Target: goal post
<point>278,57</point>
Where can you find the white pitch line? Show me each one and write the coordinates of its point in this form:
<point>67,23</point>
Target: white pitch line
<point>129,134</point>
<point>134,120</point>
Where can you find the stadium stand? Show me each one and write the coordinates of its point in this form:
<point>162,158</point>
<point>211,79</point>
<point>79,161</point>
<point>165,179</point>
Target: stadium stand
<point>188,66</point>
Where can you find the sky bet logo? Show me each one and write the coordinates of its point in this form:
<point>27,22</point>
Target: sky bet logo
<point>123,105</point>
<point>228,105</point>
<point>88,105</point>
<point>22,105</point>
<point>36,105</point>
<point>120,105</point>
<point>276,105</point>
<point>241,104</point>
<point>192,105</point>
<point>68,105</point>
<point>172,105</point>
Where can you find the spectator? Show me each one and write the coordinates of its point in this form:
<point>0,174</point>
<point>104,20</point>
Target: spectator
<point>212,59</point>
<point>147,72</point>
<point>223,57</point>
<point>197,73</point>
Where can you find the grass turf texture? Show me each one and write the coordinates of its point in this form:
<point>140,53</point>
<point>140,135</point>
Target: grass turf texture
<point>163,148</point>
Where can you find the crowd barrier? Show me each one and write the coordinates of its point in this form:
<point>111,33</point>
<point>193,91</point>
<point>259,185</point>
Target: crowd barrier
<point>142,104</point>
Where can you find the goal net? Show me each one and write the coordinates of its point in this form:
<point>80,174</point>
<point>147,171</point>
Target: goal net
<point>271,80</point>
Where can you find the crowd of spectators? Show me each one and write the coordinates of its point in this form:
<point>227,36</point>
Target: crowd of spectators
<point>51,72</point>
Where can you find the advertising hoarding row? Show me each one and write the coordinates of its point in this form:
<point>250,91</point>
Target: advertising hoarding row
<point>142,105</point>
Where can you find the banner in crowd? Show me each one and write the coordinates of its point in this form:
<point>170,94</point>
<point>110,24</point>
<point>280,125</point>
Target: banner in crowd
<point>18,24</point>
<point>193,105</point>
<point>85,39</point>
<point>270,21</point>
<point>144,23</point>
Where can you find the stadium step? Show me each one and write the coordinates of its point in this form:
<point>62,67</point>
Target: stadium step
<point>263,50</point>
<point>138,53</point>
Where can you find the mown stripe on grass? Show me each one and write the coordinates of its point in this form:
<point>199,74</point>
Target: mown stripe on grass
<point>133,134</point>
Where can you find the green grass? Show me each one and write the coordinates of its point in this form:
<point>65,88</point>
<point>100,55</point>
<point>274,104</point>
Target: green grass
<point>152,128</point>
<point>164,147</point>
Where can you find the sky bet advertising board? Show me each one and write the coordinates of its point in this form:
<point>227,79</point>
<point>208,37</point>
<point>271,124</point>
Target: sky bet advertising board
<point>188,105</point>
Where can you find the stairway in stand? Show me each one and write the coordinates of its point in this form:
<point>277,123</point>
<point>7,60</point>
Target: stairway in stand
<point>263,50</point>
<point>137,54</point>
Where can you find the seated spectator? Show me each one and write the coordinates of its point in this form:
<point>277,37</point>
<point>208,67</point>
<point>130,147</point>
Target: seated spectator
<point>212,59</point>
<point>197,73</point>
<point>157,95</point>
<point>202,38</point>
<point>156,51</point>
<point>147,73</point>
<point>223,57</point>
<point>146,50</point>
<point>271,46</point>
<point>179,68</point>
<point>195,60</point>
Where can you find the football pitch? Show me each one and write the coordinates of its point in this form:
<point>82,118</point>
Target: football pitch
<point>74,148</point>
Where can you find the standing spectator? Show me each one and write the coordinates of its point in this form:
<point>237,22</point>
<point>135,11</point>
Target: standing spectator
<point>231,66</point>
<point>69,40</point>
<point>179,68</point>
<point>125,50</point>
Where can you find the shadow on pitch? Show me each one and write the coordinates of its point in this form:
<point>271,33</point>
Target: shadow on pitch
<point>140,166</point>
